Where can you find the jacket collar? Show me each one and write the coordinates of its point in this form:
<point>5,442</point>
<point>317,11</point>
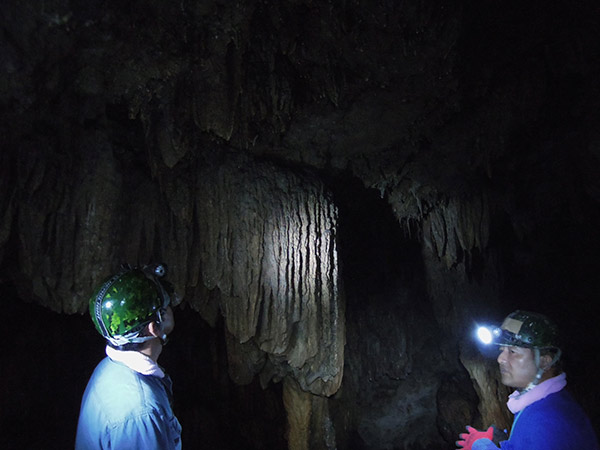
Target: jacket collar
<point>136,361</point>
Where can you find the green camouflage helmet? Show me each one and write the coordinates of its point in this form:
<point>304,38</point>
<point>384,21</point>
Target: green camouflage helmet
<point>126,302</point>
<point>527,329</point>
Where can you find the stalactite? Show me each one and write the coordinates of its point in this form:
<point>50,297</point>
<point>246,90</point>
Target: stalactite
<point>252,241</point>
<point>269,246</point>
<point>65,227</point>
<point>449,224</point>
<point>308,422</point>
<point>298,408</point>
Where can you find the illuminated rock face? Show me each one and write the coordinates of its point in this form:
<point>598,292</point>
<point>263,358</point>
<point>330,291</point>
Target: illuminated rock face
<point>341,190</point>
<point>269,246</point>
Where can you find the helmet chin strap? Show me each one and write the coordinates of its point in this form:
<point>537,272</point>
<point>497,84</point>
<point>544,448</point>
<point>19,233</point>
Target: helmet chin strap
<point>163,337</point>
<point>540,370</point>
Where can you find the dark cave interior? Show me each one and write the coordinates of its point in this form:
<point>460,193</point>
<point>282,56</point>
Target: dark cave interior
<point>397,171</point>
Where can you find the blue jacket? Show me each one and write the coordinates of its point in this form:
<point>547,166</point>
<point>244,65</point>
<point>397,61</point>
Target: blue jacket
<point>123,409</point>
<point>556,422</point>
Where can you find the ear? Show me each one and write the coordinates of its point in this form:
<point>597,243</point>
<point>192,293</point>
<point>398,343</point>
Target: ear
<point>155,329</point>
<point>545,362</point>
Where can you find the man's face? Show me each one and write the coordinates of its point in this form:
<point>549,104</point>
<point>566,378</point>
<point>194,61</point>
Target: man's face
<point>517,366</point>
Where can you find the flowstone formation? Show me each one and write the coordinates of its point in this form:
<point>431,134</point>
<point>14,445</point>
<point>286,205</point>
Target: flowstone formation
<point>269,245</point>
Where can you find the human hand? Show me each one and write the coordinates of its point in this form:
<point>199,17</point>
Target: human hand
<point>472,435</point>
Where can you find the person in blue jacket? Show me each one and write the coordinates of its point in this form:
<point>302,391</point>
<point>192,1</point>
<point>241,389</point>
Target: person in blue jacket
<point>127,404</point>
<point>546,415</point>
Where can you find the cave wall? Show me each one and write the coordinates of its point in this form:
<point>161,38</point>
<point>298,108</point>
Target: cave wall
<point>340,188</point>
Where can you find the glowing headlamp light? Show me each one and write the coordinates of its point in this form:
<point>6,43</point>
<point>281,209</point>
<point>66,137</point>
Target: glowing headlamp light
<point>487,335</point>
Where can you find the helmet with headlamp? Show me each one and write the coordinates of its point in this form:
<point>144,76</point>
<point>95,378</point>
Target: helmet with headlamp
<point>529,330</point>
<point>125,303</point>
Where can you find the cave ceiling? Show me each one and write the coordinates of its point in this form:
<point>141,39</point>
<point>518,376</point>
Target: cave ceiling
<point>211,133</point>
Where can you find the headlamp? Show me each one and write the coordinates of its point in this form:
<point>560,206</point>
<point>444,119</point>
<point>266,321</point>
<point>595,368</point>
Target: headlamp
<point>484,334</point>
<point>488,335</point>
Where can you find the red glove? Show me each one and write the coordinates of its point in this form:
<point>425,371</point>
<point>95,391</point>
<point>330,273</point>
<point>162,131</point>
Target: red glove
<point>473,435</point>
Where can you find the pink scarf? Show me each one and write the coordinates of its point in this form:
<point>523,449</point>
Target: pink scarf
<point>518,401</point>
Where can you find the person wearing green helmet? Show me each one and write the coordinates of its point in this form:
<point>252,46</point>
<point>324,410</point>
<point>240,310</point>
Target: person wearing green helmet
<point>547,416</point>
<point>127,402</point>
